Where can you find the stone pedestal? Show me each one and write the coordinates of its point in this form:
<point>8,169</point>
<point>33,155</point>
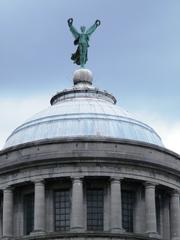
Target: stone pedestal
<point>39,208</point>
<point>7,213</point>
<point>77,223</point>
<point>116,206</point>
<point>150,208</point>
<point>175,216</point>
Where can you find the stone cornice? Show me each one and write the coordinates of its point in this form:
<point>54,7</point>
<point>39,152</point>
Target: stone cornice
<point>89,140</point>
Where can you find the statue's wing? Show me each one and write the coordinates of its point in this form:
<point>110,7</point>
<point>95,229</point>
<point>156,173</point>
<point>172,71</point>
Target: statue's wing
<point>91,29</point>
<point>74,31</point>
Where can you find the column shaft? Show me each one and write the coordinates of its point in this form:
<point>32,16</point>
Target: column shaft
<point>39,207</point>
<point>77,223</point>
<point>116,206</point>
<point>7,212</point>
<point>175,216</point>
<point>150,206</point>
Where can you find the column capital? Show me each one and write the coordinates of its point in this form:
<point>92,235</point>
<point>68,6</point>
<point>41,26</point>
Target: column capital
<point>76,179</point>
<point>150,184</point>
<point>116,179</point>
<point>7,188</point>
<point>38,181</point>
<point>175,192</point>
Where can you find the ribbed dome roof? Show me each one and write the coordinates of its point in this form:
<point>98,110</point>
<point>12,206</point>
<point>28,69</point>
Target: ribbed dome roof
<point>83,111</point>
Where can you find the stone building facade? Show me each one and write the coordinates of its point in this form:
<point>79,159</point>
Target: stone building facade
<point>86,169</point>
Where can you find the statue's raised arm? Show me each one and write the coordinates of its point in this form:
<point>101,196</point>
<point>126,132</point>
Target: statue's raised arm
<point>72,28</point>
<point>93,27</point>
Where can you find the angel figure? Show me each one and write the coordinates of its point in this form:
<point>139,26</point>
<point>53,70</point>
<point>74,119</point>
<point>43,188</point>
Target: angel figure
<point>82,40</point>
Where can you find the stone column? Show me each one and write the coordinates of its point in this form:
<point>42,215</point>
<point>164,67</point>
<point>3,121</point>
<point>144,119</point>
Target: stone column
<point>116,205</point>
<point>39,207</point>
<point>7,212</point>
<point>150,209</point>
<point>77,212</point>
<point>175,216</point>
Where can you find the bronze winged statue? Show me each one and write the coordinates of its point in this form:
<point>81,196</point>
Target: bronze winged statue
<point>80,57</point>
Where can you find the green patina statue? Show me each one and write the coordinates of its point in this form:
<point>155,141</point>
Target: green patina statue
<point>82,40</point>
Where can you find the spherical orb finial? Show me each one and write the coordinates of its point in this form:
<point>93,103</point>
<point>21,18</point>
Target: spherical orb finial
<point>82,76</point>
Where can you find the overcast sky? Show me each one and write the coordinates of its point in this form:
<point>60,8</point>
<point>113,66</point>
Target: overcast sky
<point>135,54</point>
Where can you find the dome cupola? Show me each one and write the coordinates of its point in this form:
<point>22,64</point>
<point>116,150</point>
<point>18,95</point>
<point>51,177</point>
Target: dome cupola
<point>83,111</point>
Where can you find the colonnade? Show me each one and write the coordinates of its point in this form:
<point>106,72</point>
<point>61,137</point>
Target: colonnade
<point>77,221</point>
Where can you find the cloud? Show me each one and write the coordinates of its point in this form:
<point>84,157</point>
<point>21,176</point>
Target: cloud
<point>15,111</point>
<point>169,131</point>
<point>170,134</point>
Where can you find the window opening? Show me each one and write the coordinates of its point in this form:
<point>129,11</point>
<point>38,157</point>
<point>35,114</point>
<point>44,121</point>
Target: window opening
<point>95,209</point>
<point>62,210</point>
<point>127,210</point>
<point>28,213</point>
